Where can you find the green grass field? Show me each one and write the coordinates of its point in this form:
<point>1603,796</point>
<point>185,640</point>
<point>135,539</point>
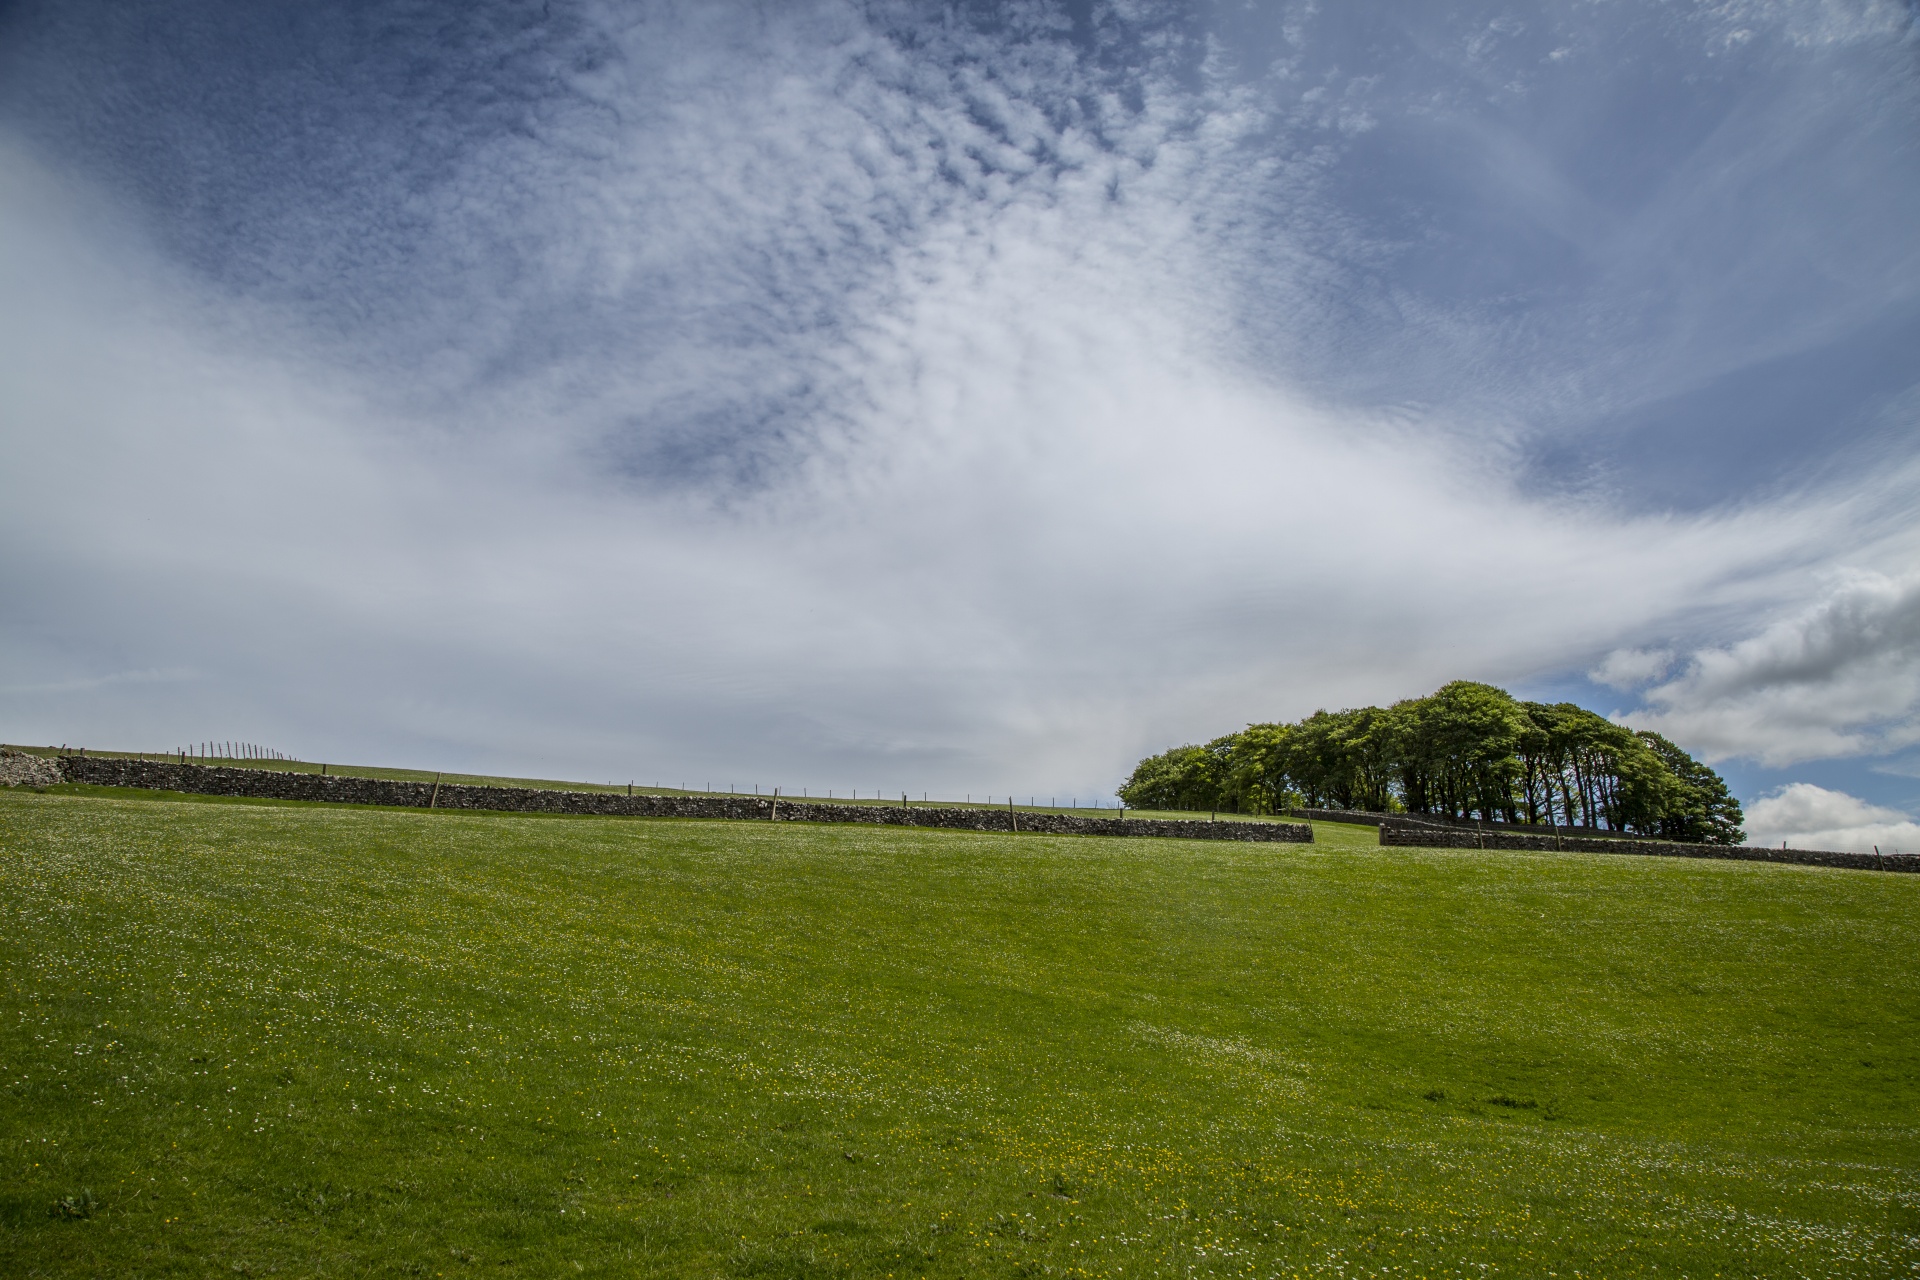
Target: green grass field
<point>259,1039</point>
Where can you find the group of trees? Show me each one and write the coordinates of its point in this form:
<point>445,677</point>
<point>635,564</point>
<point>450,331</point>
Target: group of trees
<point>1468,751</point>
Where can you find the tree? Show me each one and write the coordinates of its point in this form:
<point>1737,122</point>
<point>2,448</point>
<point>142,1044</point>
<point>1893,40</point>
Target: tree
<point>1180,778</point>
<point>1458,751</point>
<point>1704,810</point>
<point>1466,750</point>
<point>1259,770</point>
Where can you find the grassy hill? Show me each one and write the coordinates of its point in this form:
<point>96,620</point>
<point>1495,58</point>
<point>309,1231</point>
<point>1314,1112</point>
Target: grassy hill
<point>256,1039</point>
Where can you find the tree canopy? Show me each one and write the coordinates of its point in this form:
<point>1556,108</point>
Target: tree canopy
<point>1468,750</point>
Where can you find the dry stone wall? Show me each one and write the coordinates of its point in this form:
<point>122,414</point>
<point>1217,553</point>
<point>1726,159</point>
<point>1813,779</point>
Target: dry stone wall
<point>1525,828</point>
<point>18,769</point>
<point>1406,836</point>
<point>277,784</point>
<point>1363,817</point>
<point>1357,816</point>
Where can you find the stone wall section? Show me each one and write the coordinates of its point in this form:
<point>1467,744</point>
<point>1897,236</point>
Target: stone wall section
<point>277,784</point>
<point>18,769</point>
<point>1396,835</point>
<point>1365,818</point>
<point>1525,828</point>
<point>1357,816</point>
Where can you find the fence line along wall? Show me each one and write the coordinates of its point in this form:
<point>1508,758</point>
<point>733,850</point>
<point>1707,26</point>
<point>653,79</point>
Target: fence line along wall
<point>1407,836</point>
<point>274,784</point>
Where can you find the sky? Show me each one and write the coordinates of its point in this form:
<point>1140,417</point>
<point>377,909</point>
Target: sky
<point>966,399</point>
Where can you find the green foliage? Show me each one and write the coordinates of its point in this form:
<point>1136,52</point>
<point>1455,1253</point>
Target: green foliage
<point>1458,750</point>
<point>1704,809</point>
<point>1467,750</point>
<point>1257,778</point>
<point>1182,778</point>
<point>304,1041</point>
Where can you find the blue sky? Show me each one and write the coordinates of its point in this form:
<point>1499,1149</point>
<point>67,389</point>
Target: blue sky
<point>959,398</point>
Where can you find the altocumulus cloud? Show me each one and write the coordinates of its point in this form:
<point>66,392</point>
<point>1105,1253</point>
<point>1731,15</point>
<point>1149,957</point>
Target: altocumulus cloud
<point>857,394</point>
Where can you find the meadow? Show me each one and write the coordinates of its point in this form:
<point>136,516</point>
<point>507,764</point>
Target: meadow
<point>250,1038</point>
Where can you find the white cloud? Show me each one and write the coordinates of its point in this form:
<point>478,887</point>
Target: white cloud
<point>1631,668</point>
<point>1838,678</point>
<point>1054,531</point>
<point>1810,817</point>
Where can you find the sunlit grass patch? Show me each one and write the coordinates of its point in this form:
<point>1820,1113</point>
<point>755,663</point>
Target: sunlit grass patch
<point>267,1039</point>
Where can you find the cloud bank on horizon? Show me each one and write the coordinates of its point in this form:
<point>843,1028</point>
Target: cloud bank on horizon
<point>1806,816</point>
<point>965,400</point>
